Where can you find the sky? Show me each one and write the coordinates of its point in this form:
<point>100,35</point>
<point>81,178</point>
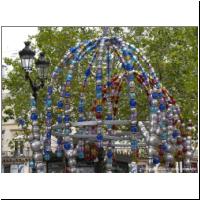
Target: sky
<point>13,41</point>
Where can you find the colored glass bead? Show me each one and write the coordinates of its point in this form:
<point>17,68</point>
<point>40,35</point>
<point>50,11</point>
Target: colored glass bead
<point>60,104</point>
<point>47,156</point>
<point>175,133</point>
<point>72,50</point>
<point>132,103</point>
<point>128,66</point>
<point>49,134</point>
<point>87,72</point>
<point>99,77</point>
<point>164,147</point>
<point>48,102</point>
<point>156,160</point>
<point>163,136</point>
<point>153,109</point>
<point>134,129</point>
<point>109,84</point>
<point>50,90</point>
<point>67,94</point>
<point>34,116</point>
<point>59,154</point>
<point>80,109</point>
<point>66,118</point>
<point>99,95</point>
<point>99,108</point>
<point>134,144</point>
<point>49,115</point>
<point>59,119</point>
<point>69,77</point>
<point>162,107</point>
<point>109,117</point>
<point>99,137</point>
<point>33,102</point>
<point>155,95</point>
<point>109,154</point>
<point>67,145</point>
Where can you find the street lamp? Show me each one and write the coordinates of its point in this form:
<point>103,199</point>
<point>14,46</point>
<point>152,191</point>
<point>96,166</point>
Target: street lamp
<point>27,57</point>
<point>42,66</point>
<point>27,60</point>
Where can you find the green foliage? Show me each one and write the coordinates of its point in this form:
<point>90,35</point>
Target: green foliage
<point>172,52</point>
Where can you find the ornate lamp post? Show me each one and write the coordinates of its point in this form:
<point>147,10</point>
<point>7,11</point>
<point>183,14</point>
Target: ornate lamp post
<point>27,57</point>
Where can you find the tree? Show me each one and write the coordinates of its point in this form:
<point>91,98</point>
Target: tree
<point>172,51</point>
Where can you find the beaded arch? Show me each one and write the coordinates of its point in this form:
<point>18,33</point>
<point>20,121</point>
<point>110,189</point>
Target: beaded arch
<point>164,135</point>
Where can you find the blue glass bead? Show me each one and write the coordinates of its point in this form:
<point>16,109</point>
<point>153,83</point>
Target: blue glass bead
<point>132,103</point>
<point>72,49</point>
<point>164,147</point>
<point>109,160</point>
<point>80,109</point>
<point>59,154</point>
<point>130,77</point>
<point>98,88</point>
<point>50,90</point>
<point>109,84</point>
<point>66,118</point>
<point>155,95</point>
<point>60,104</point>
<point>67,145</point>
<point>67,94</point>
<point>153,109</point>
<point>99,77</point>
<point>49,115</point>
<point>87,72</point>
<point>134,58</point>
<point>99,95</point>
<point>80,154</point>
<point>32,164</point>
<point>163,136</point>
<point>133,48</point>
<point>59,119</point>
<point>47,156</point>
<point>125,53</point>
<point>81,103</point>
<point>156,160</point>
<point>134,129</point>
<point>162,107</point>
<point>128,66</point>
<point>58,70</point>
<point>69,77</point>
<point>48,102</point>
<point>175,133</point>
<point>49,134</point>
<point>99,108</point>
<point>134,144</point>
<point>99,137</point>
<point>144,75</point>
<point>109,117</point>
<point>34,116</point>
<point>33,102</point>
<point>109,154</point>
<point>160,95</point>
